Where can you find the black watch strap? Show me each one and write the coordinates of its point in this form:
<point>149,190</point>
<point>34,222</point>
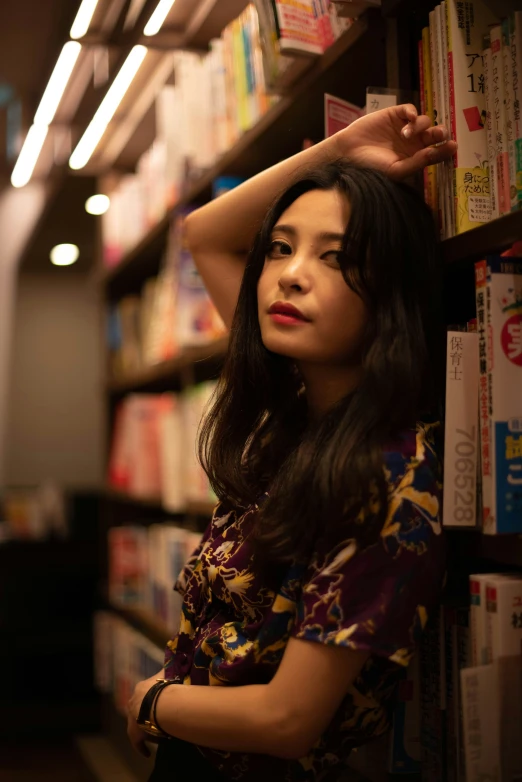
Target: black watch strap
<point>144,717</point>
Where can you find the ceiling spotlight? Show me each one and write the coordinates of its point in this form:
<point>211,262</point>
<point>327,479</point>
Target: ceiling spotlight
<point>83,18</point>
<point>97,204</point>
<point>64,254</point>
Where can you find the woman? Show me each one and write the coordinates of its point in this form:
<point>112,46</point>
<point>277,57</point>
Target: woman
<point>324,558</point>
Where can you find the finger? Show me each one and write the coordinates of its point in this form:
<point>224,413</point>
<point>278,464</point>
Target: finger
<point>424,157</point>
<point>406,112</point>
<point>417,127</point>
<point>435,135</point>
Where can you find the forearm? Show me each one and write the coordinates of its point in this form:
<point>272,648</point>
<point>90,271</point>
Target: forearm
<point>235,719</point>
<point>229,223</point>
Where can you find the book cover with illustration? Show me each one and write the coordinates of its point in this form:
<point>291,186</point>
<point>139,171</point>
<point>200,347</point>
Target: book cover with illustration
<point>468,22</point>
<point>504,329</point>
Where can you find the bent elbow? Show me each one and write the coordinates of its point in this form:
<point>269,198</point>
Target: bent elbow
<point>190,232</point>
<point>291,742</point>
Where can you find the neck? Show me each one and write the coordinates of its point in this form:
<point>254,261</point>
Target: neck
<point>327,384</point>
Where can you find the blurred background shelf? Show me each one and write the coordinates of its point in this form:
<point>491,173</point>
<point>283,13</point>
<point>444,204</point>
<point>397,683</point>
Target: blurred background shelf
<point>202,359</point>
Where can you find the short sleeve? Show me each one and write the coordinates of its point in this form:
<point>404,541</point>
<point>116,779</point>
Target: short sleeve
<point>378,599</point>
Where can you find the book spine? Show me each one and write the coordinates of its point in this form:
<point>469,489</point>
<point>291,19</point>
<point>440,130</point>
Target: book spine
<point>490,132</point>
<point>499,119</point>
<point>298,28</point>
<point>509,106</point>
<point>436,103</point>
<point>516,54</point>
<point>439,92</point>
<point>504,306</point>
<point>481,723</point>
<point>461,436</point>
<point>447,167</point>
<point>428,90</point>
<point>484,406</point>
<point>423,108</point>
<point>461,659</point>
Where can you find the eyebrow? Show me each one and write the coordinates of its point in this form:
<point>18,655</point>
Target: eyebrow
<point>324,236</point>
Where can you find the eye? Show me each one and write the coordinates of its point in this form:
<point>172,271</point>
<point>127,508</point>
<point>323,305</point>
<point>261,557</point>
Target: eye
<point>333,258</point>
<point>279,249</point>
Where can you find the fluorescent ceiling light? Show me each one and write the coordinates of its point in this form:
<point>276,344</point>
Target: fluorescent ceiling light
<point>158,17</point>
<point>57,83</point>
<point>28,156</point>
<point>97,126</point>
<point>83,18</point>
<point>64,254</point>
<point>97,204</point>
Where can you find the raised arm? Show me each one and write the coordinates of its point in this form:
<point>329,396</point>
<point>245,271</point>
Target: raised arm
<point>220,234</point>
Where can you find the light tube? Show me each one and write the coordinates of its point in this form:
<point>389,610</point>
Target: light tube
<point>83,18</point>
<point>107,108</point>
<point>57,83</point>
<point>158,17</point>
<point>28,156</point>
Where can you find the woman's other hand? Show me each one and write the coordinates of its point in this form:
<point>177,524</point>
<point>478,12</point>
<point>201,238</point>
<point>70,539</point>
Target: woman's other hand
<point>137,736</point>
<point>397,141</point>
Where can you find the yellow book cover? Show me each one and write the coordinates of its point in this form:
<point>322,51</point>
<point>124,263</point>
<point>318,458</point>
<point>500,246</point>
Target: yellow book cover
<point>468,22</point>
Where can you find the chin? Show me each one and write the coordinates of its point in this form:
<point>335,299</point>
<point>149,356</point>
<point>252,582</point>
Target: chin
<point>292,346</point>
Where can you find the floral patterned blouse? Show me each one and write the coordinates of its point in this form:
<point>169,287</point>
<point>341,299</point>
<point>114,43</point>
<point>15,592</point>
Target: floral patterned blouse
<point>234,630</point>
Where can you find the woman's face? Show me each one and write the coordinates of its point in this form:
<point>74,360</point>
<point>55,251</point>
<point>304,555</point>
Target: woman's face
<point>302,271</point>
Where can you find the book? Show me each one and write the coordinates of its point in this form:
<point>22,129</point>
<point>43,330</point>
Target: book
<point>461,437</point>
<point>481,723</point>
<point>504,645</point>
<point>509,106</point>
<point>504,325</point>
<point>339,114</point>
<point>484,391</point>
<point>499,119</point>
<point>128,565</point>
<point>297,27</point>
<point>515,32</point>
<point>490,132</point>
<point>433,699</point>
<point>430,171</point>
<point>467,24</point>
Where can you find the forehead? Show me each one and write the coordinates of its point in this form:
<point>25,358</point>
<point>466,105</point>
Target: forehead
<point>318,210</point>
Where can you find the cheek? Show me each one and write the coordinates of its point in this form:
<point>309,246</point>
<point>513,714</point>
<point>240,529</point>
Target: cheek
<point>345,318</point>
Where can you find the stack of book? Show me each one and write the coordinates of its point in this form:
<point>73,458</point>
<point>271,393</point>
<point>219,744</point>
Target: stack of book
<point>153,450</point>
<point>470,61</point>
<point>144,565</point>
<point>122,658</point>
<point>216,98</point>
<point>483,435</point>
<point>173,311</point>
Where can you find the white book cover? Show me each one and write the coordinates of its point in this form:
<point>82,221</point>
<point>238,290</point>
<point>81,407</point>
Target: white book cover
<point>504,635</point>
<point>481,723</point>
<point>461,436</point>
<point>478,617</point>
<point>504,617</point>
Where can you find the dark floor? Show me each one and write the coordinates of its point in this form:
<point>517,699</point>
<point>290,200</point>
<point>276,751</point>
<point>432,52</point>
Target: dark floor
<point>42,762</point>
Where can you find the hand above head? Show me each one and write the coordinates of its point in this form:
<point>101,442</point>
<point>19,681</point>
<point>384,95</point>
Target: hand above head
<point>397,141</point>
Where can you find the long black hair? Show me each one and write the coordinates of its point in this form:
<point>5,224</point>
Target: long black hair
<point>326,478</point>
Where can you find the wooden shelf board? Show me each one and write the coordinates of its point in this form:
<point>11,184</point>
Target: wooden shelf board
<point>278,134</point>
<point>168,370</point>
<point>492,237</point>
<point>196,508</point>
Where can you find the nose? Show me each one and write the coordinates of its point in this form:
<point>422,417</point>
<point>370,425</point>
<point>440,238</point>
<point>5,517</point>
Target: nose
<point>294,276</point>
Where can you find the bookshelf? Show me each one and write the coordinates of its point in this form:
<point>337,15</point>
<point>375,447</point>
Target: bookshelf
<point>366,52</point>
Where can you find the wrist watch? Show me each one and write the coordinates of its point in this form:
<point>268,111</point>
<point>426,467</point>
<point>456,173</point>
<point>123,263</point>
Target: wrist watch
<point>146,718</point>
